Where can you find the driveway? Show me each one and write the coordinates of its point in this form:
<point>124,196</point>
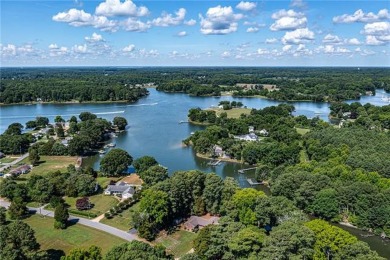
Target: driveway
<point>82,221</point>
<point>21,158</point>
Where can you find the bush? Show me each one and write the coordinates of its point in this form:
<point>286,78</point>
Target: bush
<point>82,213</point>
<point>107,215</point>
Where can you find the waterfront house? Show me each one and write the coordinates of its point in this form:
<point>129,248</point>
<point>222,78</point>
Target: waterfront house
<point>248,137</point>
<point>263,132</point>
<point>121,189</point>
<point>194,222</point>
<point>218,151</point>
<point>251,129</point>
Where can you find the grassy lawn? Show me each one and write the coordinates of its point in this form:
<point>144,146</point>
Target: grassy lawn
<point>122,220</point>
<point>303,156</point>
<point>7,159</point>
<point>178,243</point>
<point>101,203</point>
<point>53,163</point>
<point>302,131</point>
<point>74,236</point>
<point>104,181</point>
<point>234,112</point>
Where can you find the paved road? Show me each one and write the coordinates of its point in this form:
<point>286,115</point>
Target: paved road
<point>21,158</point>
<point>83,221</point>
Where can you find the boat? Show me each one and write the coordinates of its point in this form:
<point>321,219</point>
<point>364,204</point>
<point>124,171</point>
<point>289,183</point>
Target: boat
<point>111,145</point>
<point>102,151</point>
<point>192,133</point>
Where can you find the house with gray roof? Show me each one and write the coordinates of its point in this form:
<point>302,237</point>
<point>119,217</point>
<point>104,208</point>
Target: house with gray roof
<point>195,222</point>
<point>120,188</point>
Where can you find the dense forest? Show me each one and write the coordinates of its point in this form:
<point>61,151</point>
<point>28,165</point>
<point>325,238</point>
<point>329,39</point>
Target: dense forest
<point>114,84</point>
<point>62,85</point>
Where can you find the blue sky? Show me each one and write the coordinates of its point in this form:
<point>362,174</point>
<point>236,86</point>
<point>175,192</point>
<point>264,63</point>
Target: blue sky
<point>194,33</point>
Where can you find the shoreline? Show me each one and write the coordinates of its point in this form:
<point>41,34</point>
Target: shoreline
<point>204,156</point>
<point>67,102</point>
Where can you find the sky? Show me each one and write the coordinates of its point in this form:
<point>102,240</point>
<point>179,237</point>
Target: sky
<point>194,33</point>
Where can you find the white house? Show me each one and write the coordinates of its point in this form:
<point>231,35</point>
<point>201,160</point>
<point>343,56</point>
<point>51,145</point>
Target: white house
<point>263,132</point>
<point>120,188</point>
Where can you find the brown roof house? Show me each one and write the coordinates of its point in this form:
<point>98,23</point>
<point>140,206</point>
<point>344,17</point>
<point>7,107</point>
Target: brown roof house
<point>194,222</point>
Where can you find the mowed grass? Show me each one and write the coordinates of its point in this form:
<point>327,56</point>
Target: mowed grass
<point>234,112</point>
<point>50,164</point>
<point>122,220</point>
<point>302,131</point>
<point>71,237</point>
<point>102,203</point>
<point>178,243</point>
<point>7,159</point>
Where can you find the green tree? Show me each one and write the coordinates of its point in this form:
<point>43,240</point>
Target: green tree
<point>84,116</point>
<point>154,174</point>
<point>357,251</point>
<point>115,162</point>
<point>143,163</point>
<point>60,131</point>
<point>17,241</point>
<point>61,216</point>
<point>155,204</point>
<point>14,129</point>
<point>212,193</point>
<point>137,250</point>
<point>120,122</point>
<point>31,124</point>
<point>33,156</point>
<point>244,202</point>
<point>246,242</point>
<point>17,209</point>
<point>59,119</point>
<point>92,253</point>
<point>289,241</point>
<point>325,204</point>
<point>42,121</point>
<point>329,239</point>
<point>73,119</point>
<point>3,217</point>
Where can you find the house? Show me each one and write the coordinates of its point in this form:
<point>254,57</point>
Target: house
<point>195,222</point>
<point>263,132</point>
<point>251,129</point>
<point>248,137</point>
<point>20,170</point>
<point>218,151</point>
<point>121,189</point>
<point>2,155</point>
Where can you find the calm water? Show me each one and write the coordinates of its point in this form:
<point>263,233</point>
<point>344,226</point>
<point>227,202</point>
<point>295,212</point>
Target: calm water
<point>154,129</point>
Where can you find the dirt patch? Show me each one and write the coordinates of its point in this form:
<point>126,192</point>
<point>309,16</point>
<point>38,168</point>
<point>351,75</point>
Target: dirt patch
<point>133,179</point>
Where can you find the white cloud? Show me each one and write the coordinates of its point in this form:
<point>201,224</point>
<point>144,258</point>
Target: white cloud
<point>252,30</point>
<point>129,48</point>
<point>373,40</point>
<point>94,38</point>
<point>182,33</point>
<point>226,54</point>
<point>286,48</point>
<point>331,39</point>
<point>219,20</point>
<point>298,36</point>
<point>143,53</point>
<point>353,41</point>
<point>377,33</point>
<point>271,41</point>
<point>55,51</point>
<point>331,49</point>
<point>360,16</point>
<point>297,3</point>
<point>261,51</point>
<point>246,6</point>
<point>79,18</point>
<point>288,20</point>
<point>191,22</point>
<point>117,8</point>
<point>8,50</point>
<point>134,25</point>
<point>167,19</point>
<point>82,49</point>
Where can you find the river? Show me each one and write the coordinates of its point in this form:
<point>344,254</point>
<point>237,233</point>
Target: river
<point>154,130</point>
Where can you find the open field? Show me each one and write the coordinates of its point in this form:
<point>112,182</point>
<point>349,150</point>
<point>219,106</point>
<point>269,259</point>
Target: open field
<point>302,131</point>
<point>122,220</point>
<point>7,159</point>
<point>62,241</point>
<point>101,203</point>
<point>232,113</point>
<point>50,164</point>
<point>178,243</point>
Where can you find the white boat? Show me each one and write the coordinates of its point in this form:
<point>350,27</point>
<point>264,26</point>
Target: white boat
<point>102,151</point>
<point>111,145</point>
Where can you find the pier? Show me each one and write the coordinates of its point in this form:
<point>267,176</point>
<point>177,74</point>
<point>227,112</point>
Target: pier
<point>214,162</point>
<point>253,182</point>
<point>183,121</point>
<point>242,171</point>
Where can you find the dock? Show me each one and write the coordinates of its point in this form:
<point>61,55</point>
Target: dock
<point>183,121</point>
<point>242,171</point>
<point>214,162</point>
<point>253,181</point>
